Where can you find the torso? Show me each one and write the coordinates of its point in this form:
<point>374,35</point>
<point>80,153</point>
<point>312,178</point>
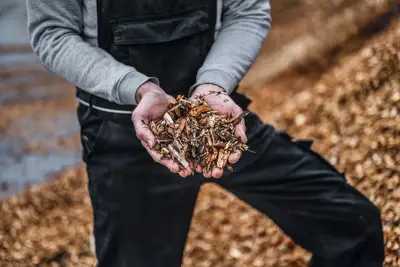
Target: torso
<point>89,27</point>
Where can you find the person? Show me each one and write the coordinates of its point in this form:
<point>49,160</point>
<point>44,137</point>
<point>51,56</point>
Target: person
<point>128,60</point>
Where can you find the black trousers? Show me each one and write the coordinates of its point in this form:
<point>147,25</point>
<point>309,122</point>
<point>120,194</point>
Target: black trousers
<point>142,211</point>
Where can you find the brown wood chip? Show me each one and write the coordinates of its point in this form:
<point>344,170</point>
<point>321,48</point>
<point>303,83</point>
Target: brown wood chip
<point>196,135</point>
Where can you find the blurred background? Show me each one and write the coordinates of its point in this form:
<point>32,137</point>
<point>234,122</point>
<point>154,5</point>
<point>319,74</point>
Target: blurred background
<point>328,70</point>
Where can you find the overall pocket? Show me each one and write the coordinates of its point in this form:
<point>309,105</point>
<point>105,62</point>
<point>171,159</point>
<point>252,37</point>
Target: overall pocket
<point>92,129</point>
<point>171,47</point>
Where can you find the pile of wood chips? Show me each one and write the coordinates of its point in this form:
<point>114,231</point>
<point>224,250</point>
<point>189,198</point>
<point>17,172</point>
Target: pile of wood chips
<point>193,134</point>
<point>353,113</point>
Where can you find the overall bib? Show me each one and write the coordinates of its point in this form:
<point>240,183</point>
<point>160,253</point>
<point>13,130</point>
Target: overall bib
<point>142,212</point>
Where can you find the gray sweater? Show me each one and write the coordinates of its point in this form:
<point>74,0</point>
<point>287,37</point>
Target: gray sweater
<point>64,36</point>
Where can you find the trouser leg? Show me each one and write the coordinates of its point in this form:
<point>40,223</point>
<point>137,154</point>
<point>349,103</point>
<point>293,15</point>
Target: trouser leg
<point>310,201</point>
<point>142,212</point>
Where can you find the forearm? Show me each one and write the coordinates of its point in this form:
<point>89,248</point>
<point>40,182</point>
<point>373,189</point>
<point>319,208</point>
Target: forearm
<point>245,25</point>
<point>91,69</point>
<point>55,33</point>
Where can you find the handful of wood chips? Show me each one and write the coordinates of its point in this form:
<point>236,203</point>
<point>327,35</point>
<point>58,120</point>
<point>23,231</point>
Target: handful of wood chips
<point>192,132</point>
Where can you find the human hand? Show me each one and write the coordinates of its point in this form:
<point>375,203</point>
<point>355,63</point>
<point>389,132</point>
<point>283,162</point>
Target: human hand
<point>217,98</point>
<point>153,103</point>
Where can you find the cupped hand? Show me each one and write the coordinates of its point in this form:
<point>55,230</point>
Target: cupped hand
<point>216,97</point>
<point>153,103</point>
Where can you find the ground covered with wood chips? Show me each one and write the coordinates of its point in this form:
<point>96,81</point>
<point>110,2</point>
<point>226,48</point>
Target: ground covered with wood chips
<point>353,114</point>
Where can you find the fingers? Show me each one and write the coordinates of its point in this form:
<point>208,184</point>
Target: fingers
<point>142,129</point>
<point>171,99</point>
<point>217,172</point>
<point>188,171</point>
<point>169,163</point>
<point>207,173</point>
<point>240,130</point>
<point>185,173</point>
<point>235,156</point>
<point>199,169</point>
<point>153,104</point>
<point>214,172</point>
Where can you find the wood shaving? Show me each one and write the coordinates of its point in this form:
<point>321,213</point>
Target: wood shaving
<point>192,132</point>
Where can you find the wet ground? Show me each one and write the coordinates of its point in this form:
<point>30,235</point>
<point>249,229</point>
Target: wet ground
<point>38,126</point>
<point>13,22</point>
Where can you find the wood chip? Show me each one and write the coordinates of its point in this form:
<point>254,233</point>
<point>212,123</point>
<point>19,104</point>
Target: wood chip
<point>178,157</point>
<point>199,135</point>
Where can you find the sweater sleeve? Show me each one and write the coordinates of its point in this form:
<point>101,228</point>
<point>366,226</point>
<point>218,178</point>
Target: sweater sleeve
<point>55,33</point>
<point>244,26</point>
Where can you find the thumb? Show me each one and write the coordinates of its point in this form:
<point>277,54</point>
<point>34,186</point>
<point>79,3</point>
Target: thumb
<point>241,132</point>
<point>143,131</point>
<point>171,99</point>
<point>240,129</point>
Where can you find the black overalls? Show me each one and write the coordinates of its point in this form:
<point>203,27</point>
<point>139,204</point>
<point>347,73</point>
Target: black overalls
<point>142,211</point>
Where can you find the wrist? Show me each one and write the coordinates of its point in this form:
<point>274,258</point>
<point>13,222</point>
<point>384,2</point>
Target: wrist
<point>204,89</point>
<point>146,88</point>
